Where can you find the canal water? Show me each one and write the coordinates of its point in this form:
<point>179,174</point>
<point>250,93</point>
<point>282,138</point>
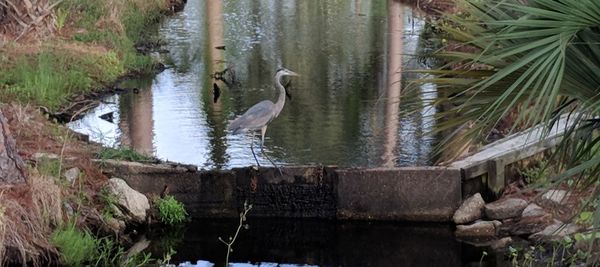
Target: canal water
<point>295,243</point>
<point>344,109</point>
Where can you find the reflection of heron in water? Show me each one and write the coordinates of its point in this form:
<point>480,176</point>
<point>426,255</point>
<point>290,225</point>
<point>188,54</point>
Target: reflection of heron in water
<point>260,115</point>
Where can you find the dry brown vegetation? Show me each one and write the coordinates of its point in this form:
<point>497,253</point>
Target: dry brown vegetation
<point>21,18</point>
<point>29,213</point>
<point>29,30</point>
<point>432,6</point>
<point>26,221</point>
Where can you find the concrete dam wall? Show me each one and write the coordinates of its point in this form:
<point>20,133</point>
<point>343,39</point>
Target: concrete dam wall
<point>403,194</point>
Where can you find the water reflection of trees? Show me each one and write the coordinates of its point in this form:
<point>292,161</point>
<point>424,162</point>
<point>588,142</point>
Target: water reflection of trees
<point>313,38</point>
<point>339,48</point>
<point>136,122</point>
<point>345,106</point>
<point>214,105</point>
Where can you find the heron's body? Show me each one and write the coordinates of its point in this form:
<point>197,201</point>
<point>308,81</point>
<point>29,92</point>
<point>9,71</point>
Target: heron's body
<point>262,113</point>
<point>255,117</point>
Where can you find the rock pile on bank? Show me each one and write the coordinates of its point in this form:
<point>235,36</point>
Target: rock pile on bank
<point>496,222</point>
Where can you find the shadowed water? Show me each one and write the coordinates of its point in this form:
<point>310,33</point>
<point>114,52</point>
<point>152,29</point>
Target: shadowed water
<point>344,108</point>
<point>314,243</point>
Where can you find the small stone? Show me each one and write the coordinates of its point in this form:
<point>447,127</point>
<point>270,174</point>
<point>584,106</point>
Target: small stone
<point>117,213</point>
<point>40,156</point>
<point>72,174</point>
<point>118,226</point>
<point>505,208</point>
<point>591,242</point>
<point>68,209</point>
<point>525,225</point>
<point>470,210</point>
<point>139,246</point>
<point>501,243</point>
<point>533,210</point>
<point>555,197</point>
<point>556,231</point>
<point>479,229</point>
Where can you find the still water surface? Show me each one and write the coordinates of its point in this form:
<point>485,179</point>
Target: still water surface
<point>344,108</point>
<point>268,242</point>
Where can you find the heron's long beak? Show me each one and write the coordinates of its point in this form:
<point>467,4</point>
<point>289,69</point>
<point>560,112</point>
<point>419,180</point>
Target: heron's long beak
<point>293,73</point>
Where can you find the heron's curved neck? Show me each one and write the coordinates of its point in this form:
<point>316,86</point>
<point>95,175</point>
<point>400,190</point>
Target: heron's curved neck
<point>281,99</point>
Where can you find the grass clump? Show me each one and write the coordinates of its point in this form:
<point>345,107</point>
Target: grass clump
<point>76,247</point>
<point>81,248</point>
<point>49,167</point>
<point>49,77</point>
<point>170,210</point>
<point>123,153</point>
<point>110,202</point>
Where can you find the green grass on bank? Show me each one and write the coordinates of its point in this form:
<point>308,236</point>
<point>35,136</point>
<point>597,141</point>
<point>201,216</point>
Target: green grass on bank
<point>95,45</point>
<point>122,153</point>
<point>81,248</point>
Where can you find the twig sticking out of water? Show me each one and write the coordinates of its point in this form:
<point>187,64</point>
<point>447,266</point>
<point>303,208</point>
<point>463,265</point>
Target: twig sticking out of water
<point>247,208</point>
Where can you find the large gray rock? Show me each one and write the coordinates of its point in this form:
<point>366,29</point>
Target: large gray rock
<point>505,208</point>
<point>470,210</point>
<point>533,210</point>
<point>555,197</point>
<point>556,231</point>
<point>501,243</point>
<point>525,225</point>
<point>131,202</point>
<point>479,229</point>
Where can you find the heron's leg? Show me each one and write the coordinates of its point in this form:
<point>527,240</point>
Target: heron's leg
<point>252,149</point>
<point>263,130</point>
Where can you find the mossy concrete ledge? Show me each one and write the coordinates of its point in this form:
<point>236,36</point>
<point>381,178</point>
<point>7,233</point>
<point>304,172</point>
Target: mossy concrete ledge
<point>429,194</point>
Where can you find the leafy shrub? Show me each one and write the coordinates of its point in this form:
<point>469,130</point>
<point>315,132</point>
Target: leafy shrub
<point>76,247</point>
<point>171,211</point>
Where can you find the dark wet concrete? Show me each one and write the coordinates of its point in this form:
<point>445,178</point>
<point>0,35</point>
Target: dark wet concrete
<point>401,194</point>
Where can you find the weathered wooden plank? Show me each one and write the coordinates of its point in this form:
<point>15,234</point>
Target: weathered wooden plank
<point>492,159</point>
<point>513,148</point>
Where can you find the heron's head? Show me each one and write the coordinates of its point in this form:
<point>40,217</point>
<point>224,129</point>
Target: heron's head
<point>285,72</point>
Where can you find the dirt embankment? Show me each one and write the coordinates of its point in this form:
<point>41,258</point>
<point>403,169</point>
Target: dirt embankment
<point>32,210</point>
<point>62,44</point>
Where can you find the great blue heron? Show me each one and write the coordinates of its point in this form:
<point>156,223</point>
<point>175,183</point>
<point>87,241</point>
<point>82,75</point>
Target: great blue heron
<point>260,115</point>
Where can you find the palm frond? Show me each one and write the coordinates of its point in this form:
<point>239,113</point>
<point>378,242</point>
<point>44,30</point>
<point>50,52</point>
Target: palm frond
<point>542,58</point>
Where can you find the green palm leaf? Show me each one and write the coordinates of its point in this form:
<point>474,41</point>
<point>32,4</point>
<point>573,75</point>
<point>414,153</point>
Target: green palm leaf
<point>543,57</point>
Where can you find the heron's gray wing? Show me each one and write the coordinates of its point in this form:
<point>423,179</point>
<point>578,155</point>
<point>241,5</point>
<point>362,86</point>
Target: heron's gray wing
<point>254,118</point>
